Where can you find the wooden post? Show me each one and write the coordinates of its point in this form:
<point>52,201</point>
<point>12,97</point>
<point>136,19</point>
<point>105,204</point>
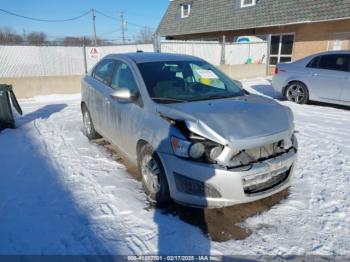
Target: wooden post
<point>223,50</point>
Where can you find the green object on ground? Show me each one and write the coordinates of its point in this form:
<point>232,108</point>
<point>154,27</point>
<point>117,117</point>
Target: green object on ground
<point>6,115</point>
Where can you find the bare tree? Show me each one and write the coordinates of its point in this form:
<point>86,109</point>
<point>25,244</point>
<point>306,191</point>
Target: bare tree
<point>73,41</point>
<point>79,41</point>
<point>36,38</point>
<point>145,36</point>
<point>8,37</point>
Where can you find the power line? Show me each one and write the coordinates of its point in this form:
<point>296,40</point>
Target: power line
<point>116,19</point>
<point>110,32</point>
<point>141,26</point>
<point>45,20</point>
<point>108,16</point>
<point>67,19</point>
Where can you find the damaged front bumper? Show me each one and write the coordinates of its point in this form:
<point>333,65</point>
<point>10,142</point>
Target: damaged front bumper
<point>206,185</point>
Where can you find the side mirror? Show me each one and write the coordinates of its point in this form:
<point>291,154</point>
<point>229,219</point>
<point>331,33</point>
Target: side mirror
<point>123,94</point>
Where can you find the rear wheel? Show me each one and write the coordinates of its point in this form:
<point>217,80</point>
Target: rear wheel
<point>154,180</point>
<point>88,124</point>
<point>297,92</point>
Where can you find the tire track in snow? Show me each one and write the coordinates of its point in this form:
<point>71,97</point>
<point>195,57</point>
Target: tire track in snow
<point>68,154</point>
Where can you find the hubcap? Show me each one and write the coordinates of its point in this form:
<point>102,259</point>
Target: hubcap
<point>295,93</point>
<point>87,122</point>
<point>150,173</point>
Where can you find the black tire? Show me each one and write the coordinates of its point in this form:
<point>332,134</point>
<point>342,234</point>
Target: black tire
<point>159,194</point>
<point>297,92</point>
<point>89,128</point>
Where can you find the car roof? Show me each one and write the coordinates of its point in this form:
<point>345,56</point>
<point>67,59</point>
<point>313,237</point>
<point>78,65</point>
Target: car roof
<point>332,52</point>
<point>145,57</point>
<point>307,59</point>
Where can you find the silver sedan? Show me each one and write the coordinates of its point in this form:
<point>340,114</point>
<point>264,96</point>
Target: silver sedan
<point>323,77</point>
<point>197,137</point>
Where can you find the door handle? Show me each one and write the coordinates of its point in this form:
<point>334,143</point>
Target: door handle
<point>107,101</point>
<point>315,74</point>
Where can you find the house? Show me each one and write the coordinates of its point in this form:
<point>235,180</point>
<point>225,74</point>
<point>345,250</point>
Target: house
<point>294,28</point>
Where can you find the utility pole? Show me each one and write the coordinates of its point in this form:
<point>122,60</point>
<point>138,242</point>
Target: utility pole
<point>94,26</point>
<point>122,26</point>
<point>84,56</point>
<point>24,36</point>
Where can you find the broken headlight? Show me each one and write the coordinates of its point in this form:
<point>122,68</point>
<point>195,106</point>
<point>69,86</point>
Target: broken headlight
<point>202,150</point>
<point>196,150</point>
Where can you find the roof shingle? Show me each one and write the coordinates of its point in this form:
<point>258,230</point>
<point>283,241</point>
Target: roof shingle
<point>223,15</point>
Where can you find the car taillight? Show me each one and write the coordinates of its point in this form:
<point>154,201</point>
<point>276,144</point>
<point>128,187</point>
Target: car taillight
<point>276,70</point>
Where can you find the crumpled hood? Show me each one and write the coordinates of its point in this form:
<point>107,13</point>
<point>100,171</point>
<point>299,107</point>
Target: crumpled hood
<point>228,121</point>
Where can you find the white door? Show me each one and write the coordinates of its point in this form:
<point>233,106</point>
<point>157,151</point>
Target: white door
<point>327,76</point>
<point>100,80</point>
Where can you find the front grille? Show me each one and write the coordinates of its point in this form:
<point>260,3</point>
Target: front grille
<point>273,181</point>
<point>254,155</point>
<point>194,187</point>
<point>266,151</point>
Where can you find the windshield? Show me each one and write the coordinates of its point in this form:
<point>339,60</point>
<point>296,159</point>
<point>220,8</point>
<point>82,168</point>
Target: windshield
<point>185,81</point>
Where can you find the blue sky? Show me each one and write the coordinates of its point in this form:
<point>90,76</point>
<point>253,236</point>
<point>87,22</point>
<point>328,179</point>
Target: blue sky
<point>138,12</point>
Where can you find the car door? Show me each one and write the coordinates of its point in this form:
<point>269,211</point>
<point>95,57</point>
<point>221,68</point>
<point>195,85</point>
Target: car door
<point>125,116</point>
<point>327,76</point>
<point>101,78</point>
<point>345,94</point>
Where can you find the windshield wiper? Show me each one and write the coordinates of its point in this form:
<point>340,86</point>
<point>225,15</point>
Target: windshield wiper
<point>167,99</point>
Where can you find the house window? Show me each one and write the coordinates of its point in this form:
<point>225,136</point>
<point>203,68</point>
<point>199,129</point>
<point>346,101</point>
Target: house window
<point>246,3</point>
<point>281,49</point>
<point>185,10</point>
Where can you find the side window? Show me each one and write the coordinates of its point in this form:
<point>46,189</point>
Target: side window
<point>338,62</point>
<point>185,10</point>
<point>314,63</point>
<point>123,78</point>
<point>103,71</point>
<point>245,3</point>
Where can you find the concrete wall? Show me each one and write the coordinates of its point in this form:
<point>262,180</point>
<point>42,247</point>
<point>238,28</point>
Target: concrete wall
<point>26,87</point>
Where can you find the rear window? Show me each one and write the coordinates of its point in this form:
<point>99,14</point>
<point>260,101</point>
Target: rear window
<point>314,62</point>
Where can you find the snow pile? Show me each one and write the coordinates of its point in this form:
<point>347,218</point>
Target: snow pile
<point>61,194</point>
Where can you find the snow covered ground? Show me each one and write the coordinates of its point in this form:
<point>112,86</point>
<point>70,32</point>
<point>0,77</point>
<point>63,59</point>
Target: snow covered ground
<point>61,194</point>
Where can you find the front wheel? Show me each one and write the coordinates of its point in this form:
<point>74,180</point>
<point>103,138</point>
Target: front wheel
<point>154,180</point>
<point>297,92</point>
<point>88,125</point>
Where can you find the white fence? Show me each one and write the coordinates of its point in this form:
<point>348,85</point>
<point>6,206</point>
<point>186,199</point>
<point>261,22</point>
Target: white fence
<point>234,54</point>
<point>26,61</point>
<point>210,51</point>
<point>106,50</point>
<point>255,53</point>
<point>22,61</point>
